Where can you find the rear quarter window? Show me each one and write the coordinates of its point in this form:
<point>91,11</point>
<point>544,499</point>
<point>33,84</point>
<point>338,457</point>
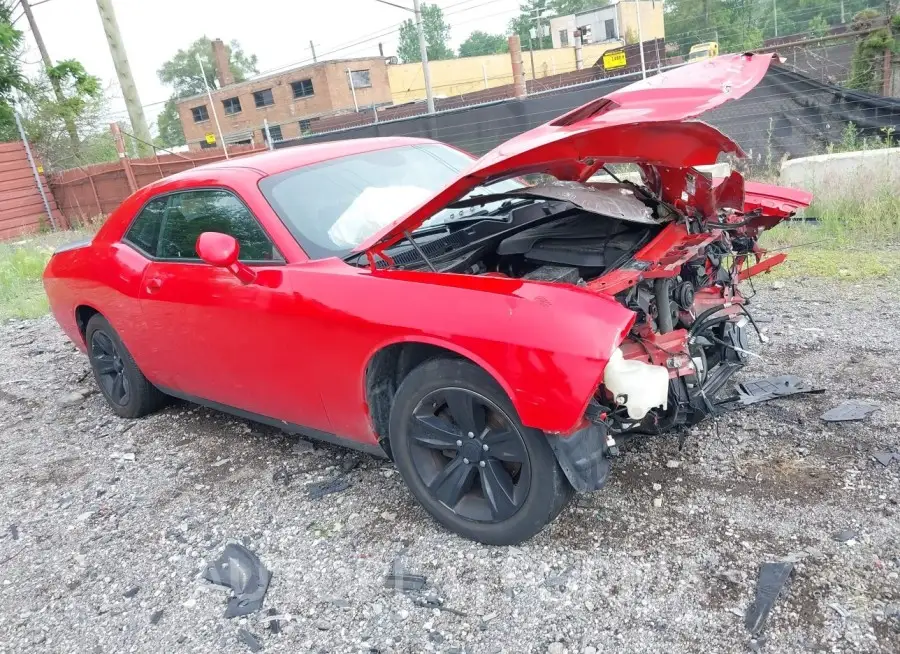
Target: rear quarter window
<point>144,231</point>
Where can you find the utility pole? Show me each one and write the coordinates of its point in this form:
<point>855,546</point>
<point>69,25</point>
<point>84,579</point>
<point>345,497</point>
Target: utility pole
<point>48,64</point>
<point>313,48</point>
<point>123,72</point>
<point>420,29</point>
<point>637,5</point>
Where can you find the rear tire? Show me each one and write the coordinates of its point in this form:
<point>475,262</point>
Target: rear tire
<point>469,460</point>
<point>128,393</point>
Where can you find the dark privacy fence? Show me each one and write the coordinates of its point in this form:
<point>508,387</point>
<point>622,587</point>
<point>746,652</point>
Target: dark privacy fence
<point>787,114</point>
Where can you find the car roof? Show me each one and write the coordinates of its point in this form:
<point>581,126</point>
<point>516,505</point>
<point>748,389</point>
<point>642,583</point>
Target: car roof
<point>277,161</point>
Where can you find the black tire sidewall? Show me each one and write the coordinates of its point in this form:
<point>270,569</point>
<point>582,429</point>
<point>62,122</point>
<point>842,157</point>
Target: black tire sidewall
<point>549,490</point>
<point>137,383</point>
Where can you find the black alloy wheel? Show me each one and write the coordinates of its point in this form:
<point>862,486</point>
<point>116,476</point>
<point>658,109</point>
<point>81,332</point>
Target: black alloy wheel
<point>470,455</point>
<point>127,391</point>
<point>467,458</point>
<point>110,368</point>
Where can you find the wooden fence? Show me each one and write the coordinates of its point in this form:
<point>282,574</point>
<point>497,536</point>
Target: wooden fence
<point>85,193</point>
<point>22,210</point>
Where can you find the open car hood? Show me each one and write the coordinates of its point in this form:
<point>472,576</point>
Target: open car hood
<point>645,122</point>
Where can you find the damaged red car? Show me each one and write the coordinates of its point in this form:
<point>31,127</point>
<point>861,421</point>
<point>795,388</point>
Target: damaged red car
<point>493,336</point>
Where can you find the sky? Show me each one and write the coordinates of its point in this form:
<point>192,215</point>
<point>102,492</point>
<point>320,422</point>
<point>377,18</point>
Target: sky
<point>278,32</point>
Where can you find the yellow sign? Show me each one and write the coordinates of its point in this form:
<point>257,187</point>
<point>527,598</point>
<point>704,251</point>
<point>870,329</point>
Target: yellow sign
<point>210,138</point>
<point>613,60</point>
<point>40,169</point>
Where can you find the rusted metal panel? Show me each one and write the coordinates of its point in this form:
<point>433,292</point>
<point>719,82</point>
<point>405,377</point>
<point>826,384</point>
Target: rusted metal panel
<point>21,208</point>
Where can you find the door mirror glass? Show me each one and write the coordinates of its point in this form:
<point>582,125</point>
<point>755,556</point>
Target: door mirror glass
<point>218,249</point>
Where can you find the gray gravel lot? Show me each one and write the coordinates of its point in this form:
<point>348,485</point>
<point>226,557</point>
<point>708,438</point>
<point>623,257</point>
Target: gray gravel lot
<point>114,520</point>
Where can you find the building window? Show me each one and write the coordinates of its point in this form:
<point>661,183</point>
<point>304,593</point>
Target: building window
<point>304,127</point>
<point>610,26</point>
<point>263,98</point>
<point>585,32</point>
<point>564,38</point>
<point>232,106</point>
<point>360,79</point>
<point>200,113</point>
<point>275,131</point>
<point>303,88</point>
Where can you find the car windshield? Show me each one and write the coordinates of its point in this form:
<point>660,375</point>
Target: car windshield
<point>333,206</point>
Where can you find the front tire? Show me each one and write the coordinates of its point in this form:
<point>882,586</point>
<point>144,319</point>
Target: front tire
<point>469,460</point>
<point>128,393</point>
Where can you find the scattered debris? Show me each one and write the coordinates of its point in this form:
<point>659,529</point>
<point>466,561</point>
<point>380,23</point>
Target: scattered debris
<point>71,399</point>
<point>763,390</point>
<point>796,557</point>
<point>845,536</point>
<point>240,570</point>
<point>251,641</point>
<point>283,476</point>
<point>349,462</point>
<point>839,609</point>
<point>849,410</point>
<point>303,447</point>
<point>14,532</point>
<point>405,582</point>
<point>320,489</point>
<point>131,592</point>
<point>673,463</point>
<point>122,456</point>
<point>274,623</point>
<point>657,502</point>
<point>387,515</point>
<point>220,463</point>
<point>733,576</point>
<point>772,577</point>
<point>156,616</point>
<point>885,458</point>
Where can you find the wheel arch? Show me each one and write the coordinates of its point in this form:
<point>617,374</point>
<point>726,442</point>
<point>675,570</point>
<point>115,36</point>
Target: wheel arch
<point>83,314</point>
<point>391,362</point>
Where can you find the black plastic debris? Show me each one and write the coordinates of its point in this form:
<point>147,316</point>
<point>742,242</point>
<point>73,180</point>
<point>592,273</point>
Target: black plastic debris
<point>772,577</point>
<point>156,616</point>
<point>885,458</point>
<point>240,570</point>
<point>131,592</point>
<point>14,532</point>
<point>251,641</point>
<point>849,410</point>
<point>404,582</point>
<point>845,535</point>
<point>320,489</point>
<point>274,623</point>
<point>771,388</point>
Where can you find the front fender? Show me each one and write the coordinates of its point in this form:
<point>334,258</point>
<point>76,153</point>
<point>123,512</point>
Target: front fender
<point>546,344</point>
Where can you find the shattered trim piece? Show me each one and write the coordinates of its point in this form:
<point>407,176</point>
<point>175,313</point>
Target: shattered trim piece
<point>771,388</point>
<point>772,577</point>
<point>850,410</point>
<point>240,570</point>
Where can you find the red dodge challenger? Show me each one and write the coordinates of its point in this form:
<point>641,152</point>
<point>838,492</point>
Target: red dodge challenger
<point>493,337</point>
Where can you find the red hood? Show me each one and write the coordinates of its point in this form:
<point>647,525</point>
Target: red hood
<point>645,122</point>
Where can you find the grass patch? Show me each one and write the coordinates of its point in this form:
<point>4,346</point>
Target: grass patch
<point>22,264</point>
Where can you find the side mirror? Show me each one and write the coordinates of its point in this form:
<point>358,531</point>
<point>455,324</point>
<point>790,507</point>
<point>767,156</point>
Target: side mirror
<point>222,250</point>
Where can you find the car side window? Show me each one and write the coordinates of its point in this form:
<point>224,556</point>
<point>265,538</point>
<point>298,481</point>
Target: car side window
<point>144,231</point>
<point>193,212</point>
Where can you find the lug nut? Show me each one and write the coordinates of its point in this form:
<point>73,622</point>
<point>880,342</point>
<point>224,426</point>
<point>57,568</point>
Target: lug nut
<point>465,460</point>
<point>482,463</point>
<point>484,447</point>
<point>471,435</point>
<point>458,443</point>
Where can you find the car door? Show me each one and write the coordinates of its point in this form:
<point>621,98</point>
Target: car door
<point>218,339</point>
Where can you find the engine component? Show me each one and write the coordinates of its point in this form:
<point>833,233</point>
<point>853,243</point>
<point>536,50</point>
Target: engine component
<point>637,385</point>
<point>561,274</point>
<point>737,346</point>
<point>684,295</point>
<point>663,306</point>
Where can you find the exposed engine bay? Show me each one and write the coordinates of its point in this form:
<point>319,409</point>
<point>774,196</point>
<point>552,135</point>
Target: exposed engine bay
<point>676,266</point>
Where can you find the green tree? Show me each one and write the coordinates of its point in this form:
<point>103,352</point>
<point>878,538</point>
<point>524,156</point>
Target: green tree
<point>11,78</point>
<point>566,7</point>
<point>182,73</point>
<point>437,35</point>
<point>525,22</point>
<point>171,132</point>
<point>482,43</point>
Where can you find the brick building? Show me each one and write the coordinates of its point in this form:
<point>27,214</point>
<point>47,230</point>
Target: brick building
<point>290,100</point>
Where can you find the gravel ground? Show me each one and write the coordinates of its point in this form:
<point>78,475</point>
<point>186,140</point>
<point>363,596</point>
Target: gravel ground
<point>106,523</point>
